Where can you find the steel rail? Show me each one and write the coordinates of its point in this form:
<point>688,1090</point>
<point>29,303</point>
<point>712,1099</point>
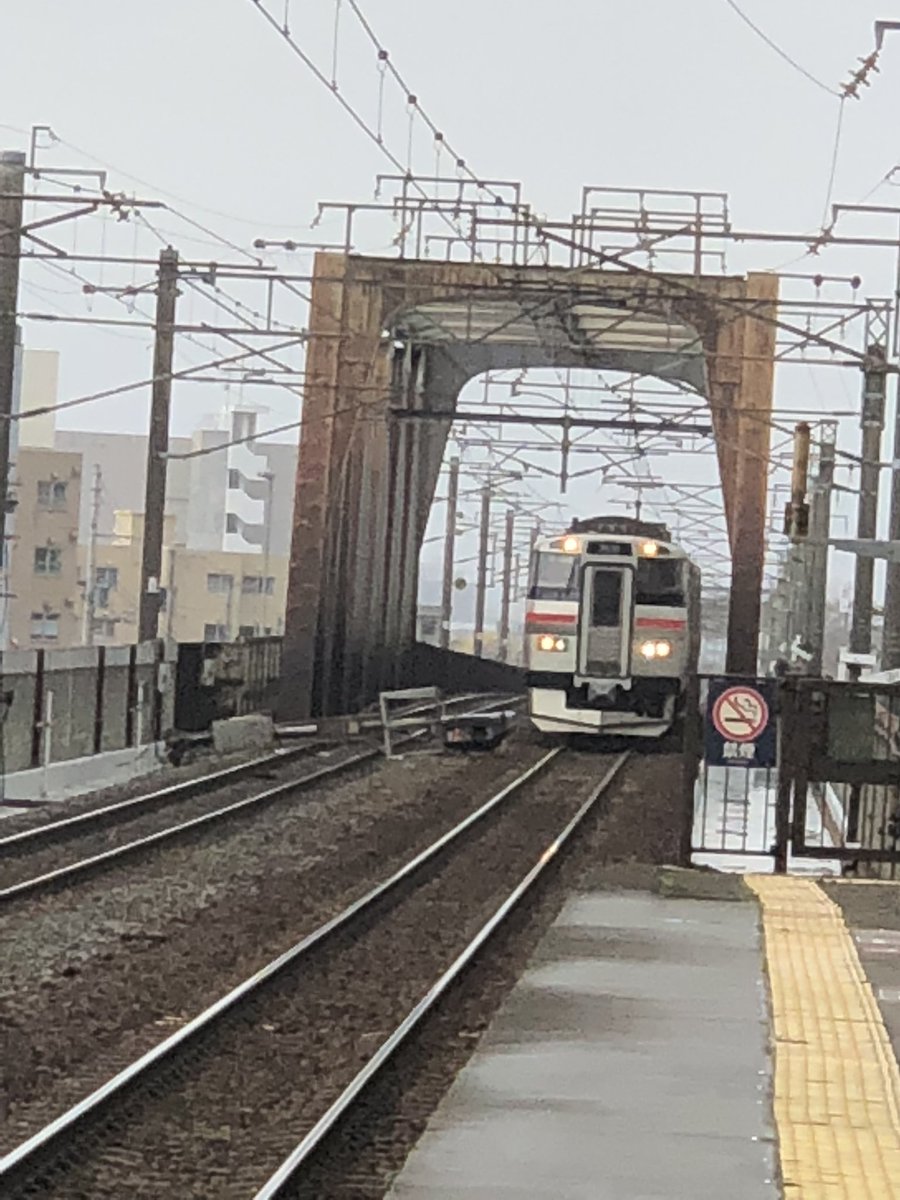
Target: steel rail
<point>23,1160</point>
<point>304,1149</point>
<point>69,871</point>
<point>175,791</point>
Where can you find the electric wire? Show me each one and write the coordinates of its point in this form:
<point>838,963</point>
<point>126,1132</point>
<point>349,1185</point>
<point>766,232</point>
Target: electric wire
<point>781,53</point>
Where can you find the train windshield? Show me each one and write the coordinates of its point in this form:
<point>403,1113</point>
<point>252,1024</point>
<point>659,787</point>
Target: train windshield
<point>555,577</point>
<point>660,581</point>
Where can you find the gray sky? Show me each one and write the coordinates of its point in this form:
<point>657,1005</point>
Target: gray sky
<point>201,100</point>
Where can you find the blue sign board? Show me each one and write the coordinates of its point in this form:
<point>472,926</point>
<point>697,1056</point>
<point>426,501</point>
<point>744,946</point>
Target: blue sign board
<point>740,729</point>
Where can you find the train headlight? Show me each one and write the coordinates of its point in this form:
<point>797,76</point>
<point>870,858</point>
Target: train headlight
<point>572,545</point>
<point>656,649</point>
<point>649,549</point>
<point>550,644</point>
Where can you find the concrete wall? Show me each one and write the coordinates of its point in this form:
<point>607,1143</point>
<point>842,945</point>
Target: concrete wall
<point>85,715</point>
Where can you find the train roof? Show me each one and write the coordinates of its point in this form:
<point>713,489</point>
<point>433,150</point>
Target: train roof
<point>623,526</point>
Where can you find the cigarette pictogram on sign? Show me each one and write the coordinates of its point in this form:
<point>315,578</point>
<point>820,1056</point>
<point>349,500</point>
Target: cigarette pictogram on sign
<point>740,714</point>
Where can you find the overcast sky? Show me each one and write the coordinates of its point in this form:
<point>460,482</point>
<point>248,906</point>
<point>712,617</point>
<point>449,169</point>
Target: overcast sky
<point>203,102</point>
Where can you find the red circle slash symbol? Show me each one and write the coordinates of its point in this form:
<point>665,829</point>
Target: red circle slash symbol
<point>740,714</point>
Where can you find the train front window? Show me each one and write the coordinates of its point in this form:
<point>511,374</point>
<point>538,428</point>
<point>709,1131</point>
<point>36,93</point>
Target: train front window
<point>555,577</point>
<point>660,581</point>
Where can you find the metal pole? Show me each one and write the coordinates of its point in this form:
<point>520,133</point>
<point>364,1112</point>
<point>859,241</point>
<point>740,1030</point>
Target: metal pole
<point>12,185</point>
<point>158,446</point>
<point>819,531</point>
<point>890,652</point>
<point>481,586</point>
<point>267,550</point>
<point>449,550</point>
<point>867,524</point>
<point>507,584</point>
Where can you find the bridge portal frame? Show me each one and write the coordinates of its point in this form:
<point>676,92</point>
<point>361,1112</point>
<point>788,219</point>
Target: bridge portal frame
<point>365,482</point>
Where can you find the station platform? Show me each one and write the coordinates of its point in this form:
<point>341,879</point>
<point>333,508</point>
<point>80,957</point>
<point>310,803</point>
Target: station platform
<point>660,1046</point>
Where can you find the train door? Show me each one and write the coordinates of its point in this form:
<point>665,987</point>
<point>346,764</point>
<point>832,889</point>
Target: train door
<point>604,644</point>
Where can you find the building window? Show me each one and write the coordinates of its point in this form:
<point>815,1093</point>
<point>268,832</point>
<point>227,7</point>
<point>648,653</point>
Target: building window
<point>44,627</point>
<point>106,580</point>
<point>215,633</point>
<point>234,478</point>
<point>103,627</point>
<point>51,493</point>
<point>258,585</point>
<point>107,577</point>
<point>219,583</point>
<point>247,631</point>
<point>47,560</point>
<point>231,523</point>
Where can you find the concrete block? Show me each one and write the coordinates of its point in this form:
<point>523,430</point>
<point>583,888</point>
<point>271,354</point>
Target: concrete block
<point>687,883</point>
<point>866,903</point>
<point>18,724</point>
<point>72,659</point>
<point>252,732</point>
<point>80,776</point>
<point>115,705</point>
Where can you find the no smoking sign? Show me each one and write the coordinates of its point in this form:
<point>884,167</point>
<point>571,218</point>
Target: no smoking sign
<point>740,714</point>
<point>740,729</point>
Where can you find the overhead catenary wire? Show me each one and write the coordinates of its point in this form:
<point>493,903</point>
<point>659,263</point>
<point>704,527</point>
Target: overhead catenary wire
<point>782,54</point>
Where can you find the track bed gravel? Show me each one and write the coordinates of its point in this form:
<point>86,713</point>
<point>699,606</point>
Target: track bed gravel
<point>219,1123</point>
<point>33,858</point>
<point>93,976</point>
<point>43,813</point>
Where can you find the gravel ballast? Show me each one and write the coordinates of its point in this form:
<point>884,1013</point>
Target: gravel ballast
<point>95,975</point>
<point>221,1121</point>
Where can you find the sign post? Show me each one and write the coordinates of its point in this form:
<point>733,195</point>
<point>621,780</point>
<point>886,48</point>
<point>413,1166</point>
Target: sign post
<point>740,728</point>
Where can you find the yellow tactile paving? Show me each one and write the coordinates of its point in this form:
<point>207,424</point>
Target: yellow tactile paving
<point>837,1083</point>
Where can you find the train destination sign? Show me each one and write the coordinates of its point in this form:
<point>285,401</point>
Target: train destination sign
<point>740,723</point>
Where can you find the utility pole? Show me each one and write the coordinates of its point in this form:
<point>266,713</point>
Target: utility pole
<point>507,584</point>
<point>90,587</point>
<point>819,532</point>
<point>890,657</point>
<point>874,377</point>
<point>449,551</point>
<point>481,585</point>
<point>158,446</point>
<point>12,186</point>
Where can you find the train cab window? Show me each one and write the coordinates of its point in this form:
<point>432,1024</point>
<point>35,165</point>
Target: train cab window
<point>555,577</point>
<point>660,581</point>
<point>606,599</point>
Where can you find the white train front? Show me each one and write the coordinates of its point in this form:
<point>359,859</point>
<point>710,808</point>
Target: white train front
<point>612,629</point>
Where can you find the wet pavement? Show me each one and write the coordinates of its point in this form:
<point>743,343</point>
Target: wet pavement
<point>630,1062</point>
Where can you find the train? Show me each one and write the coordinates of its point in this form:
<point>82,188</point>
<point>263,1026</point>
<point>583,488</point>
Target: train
<point>612,629</point>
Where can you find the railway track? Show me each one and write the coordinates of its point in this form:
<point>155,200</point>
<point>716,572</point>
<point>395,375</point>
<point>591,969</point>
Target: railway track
<point>263,1075</point>
<point>55,854</point>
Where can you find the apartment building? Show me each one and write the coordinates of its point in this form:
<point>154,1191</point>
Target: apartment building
<point>78,500</point>
<point>208,595</point>
<point>44,602</point>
